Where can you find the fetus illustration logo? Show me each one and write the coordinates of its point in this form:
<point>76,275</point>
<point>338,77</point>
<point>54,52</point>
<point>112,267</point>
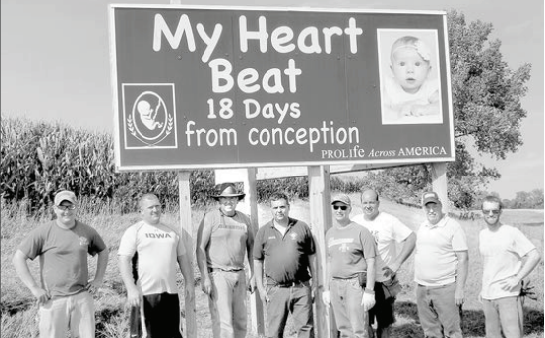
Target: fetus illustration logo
<point>149,117</point>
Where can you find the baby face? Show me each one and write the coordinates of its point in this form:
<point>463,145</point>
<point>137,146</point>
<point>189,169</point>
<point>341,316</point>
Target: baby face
<point>410,69</point>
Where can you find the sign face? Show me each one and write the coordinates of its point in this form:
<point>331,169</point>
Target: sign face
<point>230,87</point>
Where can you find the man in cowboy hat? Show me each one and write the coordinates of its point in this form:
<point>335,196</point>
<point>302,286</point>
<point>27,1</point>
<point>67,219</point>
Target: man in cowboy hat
<point>224,238</point>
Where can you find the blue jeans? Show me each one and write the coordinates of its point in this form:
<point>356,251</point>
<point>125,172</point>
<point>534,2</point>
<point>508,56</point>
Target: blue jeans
<point>351,320</point>
<point>438,311</point>
<point>228,310</point>
<point>503,314</point>
<point>297,300</point>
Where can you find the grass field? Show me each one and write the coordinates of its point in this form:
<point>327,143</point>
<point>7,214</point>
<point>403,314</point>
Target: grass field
<point>18,312</point>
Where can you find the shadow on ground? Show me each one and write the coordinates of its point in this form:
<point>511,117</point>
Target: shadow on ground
<point>473,322</point>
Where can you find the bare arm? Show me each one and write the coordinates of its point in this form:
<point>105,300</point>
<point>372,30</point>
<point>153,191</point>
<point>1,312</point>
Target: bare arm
<point>531,259</point>
<point>312,267</point>
<point>313,275</point>
<point>187,272</point>
<point>407,248</point>
<point>326,298</point>
<point>258,269</point>
<point>203,237</point>
<point>133,293</point>
<point>370,283</point>
<point>368,299</point>
<point>21,267</point>
<point>250,249</point>
<point>461,275</point>
<point>102,262</point>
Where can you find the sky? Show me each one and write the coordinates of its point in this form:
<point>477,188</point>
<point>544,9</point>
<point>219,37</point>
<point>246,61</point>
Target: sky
<point>56,64</point>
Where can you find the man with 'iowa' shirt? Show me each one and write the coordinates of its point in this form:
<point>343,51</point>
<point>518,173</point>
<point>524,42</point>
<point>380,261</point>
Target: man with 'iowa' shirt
<point>159,248</point>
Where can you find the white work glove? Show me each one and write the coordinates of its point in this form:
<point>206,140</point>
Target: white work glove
<point>326,298</point>
<point>368,299</point>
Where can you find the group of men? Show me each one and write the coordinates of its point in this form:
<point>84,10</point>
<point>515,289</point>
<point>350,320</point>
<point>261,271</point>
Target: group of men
<point>362,264</point>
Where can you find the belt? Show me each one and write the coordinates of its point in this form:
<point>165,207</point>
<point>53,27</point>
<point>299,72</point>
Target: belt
<point>344,279</point>
<point>218,269</point>
<point>287,284</point>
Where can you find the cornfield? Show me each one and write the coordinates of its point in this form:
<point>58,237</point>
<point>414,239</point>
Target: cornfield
<point>39,159</point>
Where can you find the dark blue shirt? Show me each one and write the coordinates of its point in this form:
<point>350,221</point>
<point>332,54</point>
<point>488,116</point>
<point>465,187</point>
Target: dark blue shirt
<point>285,257</point>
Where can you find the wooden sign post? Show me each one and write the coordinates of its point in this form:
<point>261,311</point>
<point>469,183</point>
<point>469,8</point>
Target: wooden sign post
<point>186,225</point>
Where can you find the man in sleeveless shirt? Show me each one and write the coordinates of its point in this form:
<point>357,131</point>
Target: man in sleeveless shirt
<point>224,239</point>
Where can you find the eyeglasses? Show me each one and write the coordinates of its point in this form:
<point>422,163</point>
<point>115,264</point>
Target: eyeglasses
<point>342,207</point>
<point>493,211</point>
<point>66,207</point>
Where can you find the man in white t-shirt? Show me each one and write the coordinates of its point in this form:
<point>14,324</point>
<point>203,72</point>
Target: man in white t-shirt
<point>387,231</point>
<point>440,264</point>
<point>159,248</point>
<point>508,257</point>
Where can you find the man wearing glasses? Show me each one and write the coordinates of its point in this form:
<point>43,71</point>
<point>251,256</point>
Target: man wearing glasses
<point>64,295</point>
<point>440,263</point>
<point>508,257</point>
<point>158,248</point>
<point>351,253</point>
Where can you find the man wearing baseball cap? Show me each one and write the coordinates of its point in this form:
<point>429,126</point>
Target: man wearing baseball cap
<point>64,295</point>
<point>351,253</point>
<point>224,239</point>
<point>441,263</point>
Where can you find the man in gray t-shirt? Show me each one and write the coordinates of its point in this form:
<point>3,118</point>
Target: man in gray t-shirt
<point>63,246</point>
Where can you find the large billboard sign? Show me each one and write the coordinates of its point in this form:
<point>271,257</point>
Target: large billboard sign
<point>228,87</point>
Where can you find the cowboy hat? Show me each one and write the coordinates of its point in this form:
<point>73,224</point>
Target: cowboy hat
<point>227,190</point>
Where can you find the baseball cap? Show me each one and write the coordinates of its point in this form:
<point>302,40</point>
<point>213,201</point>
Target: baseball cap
<point>65,195</point>
<point>343,198</point>
<point>430,197</point>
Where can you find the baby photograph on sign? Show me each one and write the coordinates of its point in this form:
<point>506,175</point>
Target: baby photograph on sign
<point>410,87</point>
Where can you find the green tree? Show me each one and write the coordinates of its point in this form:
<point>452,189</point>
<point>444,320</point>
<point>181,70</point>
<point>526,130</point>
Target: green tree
<point>487,107</point>
<point>486,99</point>
<point>528,200</point>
